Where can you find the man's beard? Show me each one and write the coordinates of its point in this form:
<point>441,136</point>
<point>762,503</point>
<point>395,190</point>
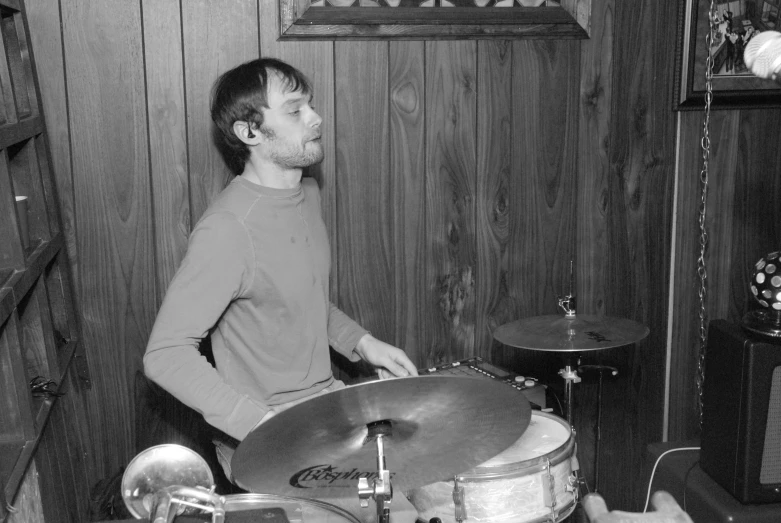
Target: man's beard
<point>293,156</point>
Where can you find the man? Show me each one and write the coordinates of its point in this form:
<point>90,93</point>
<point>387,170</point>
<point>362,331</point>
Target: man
<point>255,276</point>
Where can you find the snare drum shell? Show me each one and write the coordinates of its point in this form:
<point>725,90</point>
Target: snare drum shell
<point>511,486</point>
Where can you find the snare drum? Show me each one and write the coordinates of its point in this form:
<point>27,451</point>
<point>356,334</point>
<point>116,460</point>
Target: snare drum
<point>270,508</point>
<point>530,481</point>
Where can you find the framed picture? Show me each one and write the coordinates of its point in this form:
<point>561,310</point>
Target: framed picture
<point>433,19</point>
<point>735,22</point>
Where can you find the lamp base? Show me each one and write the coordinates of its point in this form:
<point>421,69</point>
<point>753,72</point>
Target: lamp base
<point>763,322</point>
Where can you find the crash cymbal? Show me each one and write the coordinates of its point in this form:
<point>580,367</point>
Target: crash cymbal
<point>557,333</point>
<point>439,426</point>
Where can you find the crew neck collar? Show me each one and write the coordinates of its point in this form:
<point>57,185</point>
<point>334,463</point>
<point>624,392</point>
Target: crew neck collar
<point>270,191</point>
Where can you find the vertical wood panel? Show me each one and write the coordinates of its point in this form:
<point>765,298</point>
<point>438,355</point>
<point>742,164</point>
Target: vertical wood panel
<point>112,206</point>
<point>757,214</point>
<point>639,222</point>
<point>542,192</point>
<point>451,102</point>
<point>683,414</point>
<point>544,166</point>
<point>495,141</point>
<point>592,248</point>
<point>593,163</point>
<point>215,40</point>
<point>43,18</point>
<point>167,135</point>
<point>364,205</point>
<point>407,172</point>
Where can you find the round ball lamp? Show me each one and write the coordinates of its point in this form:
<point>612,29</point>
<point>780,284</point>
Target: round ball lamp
<point>765,286</point>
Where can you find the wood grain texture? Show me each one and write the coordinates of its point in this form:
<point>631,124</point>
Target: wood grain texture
<point>164,69</point>
<point>43,20</point>
<point>407,186</point>
<point>640,188</point>
<point>684,421</point>
<point>64,482</point>
<point>596,60</point>
<point>451,104</point>
<point>215,39</point>
<point>494,304</point>
<point>365,210</point>
<point>756,230</point>
<point>741,228</point>
<point>112,208</point>
<point>544,181</point>
<point>27,503</point>
<point>592,249</point>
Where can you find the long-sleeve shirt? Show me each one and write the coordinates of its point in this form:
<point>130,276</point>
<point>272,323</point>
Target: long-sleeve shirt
<point>255,278</point>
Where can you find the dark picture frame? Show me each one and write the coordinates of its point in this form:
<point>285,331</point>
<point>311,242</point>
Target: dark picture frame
<point>309,20</point>
<point>734,88</point>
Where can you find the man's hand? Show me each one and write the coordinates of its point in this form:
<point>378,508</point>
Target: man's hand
<point>389,360</point>
<point>666,510</point>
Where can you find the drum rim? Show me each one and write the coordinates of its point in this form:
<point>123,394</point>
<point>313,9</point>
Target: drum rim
<point>554,456</point>
<point>258,496</point>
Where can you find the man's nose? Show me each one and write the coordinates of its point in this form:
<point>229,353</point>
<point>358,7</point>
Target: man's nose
<point>316,119</point>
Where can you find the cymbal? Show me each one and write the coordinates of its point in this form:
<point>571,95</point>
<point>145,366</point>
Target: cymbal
<point>557,333</point>
<point>440,426</point>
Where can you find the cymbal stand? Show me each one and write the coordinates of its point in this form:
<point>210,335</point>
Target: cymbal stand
<point>570,374</point>
<point>381,489</point>
<point>598,432</point>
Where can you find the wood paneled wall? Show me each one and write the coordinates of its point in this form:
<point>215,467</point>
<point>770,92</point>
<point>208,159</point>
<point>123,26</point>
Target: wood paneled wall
<point>460,181</point>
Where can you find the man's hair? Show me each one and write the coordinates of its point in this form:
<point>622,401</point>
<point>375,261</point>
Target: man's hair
<point>239,95</point>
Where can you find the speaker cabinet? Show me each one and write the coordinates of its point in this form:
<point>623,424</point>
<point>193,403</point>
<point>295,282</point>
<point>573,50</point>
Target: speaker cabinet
<point>741,418</point>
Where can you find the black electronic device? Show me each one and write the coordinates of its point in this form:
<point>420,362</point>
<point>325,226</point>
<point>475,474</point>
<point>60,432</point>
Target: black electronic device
<point>478,367</point>
<point>741,423</point>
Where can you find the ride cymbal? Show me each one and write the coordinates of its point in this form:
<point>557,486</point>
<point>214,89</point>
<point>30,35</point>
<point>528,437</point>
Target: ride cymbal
<point>439,426</point>
<point>558,333</point>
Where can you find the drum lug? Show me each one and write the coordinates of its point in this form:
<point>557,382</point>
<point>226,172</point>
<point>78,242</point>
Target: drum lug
<point>573,485</point>
<point>549,490</point>
<point>459,501</point>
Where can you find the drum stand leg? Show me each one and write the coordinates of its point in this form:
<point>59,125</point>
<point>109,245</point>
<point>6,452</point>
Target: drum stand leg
<point>598,431</point>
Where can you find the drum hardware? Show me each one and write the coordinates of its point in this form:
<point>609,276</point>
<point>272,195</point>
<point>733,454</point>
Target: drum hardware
<point>572,334</point>
<point>440,425</point>
<point>381,489</point>
<point>458,501</point>
<point>532,481</point>
<point>549,481</point>
<point>601,369</point>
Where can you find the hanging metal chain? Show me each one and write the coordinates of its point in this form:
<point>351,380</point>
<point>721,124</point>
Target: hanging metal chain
<point>701,268</point>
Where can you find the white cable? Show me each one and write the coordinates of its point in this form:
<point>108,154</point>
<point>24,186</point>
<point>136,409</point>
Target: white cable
<point>651,480</point>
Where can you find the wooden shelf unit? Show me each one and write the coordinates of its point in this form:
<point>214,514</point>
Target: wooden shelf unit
<point>39,332</point>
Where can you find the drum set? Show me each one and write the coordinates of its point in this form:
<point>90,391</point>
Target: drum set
<point>427,449</point>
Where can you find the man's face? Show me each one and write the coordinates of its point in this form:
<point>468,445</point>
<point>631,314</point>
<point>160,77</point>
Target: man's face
<point>291,127</point>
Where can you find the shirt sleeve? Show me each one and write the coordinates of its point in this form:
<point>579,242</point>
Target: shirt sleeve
<point>344,333</point>
<point>215,271</point>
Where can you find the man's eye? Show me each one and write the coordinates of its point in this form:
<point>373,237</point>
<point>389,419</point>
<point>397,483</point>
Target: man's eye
<point>296,111</point>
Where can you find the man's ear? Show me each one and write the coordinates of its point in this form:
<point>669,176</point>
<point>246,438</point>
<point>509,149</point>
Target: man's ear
<point>245,133</point>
